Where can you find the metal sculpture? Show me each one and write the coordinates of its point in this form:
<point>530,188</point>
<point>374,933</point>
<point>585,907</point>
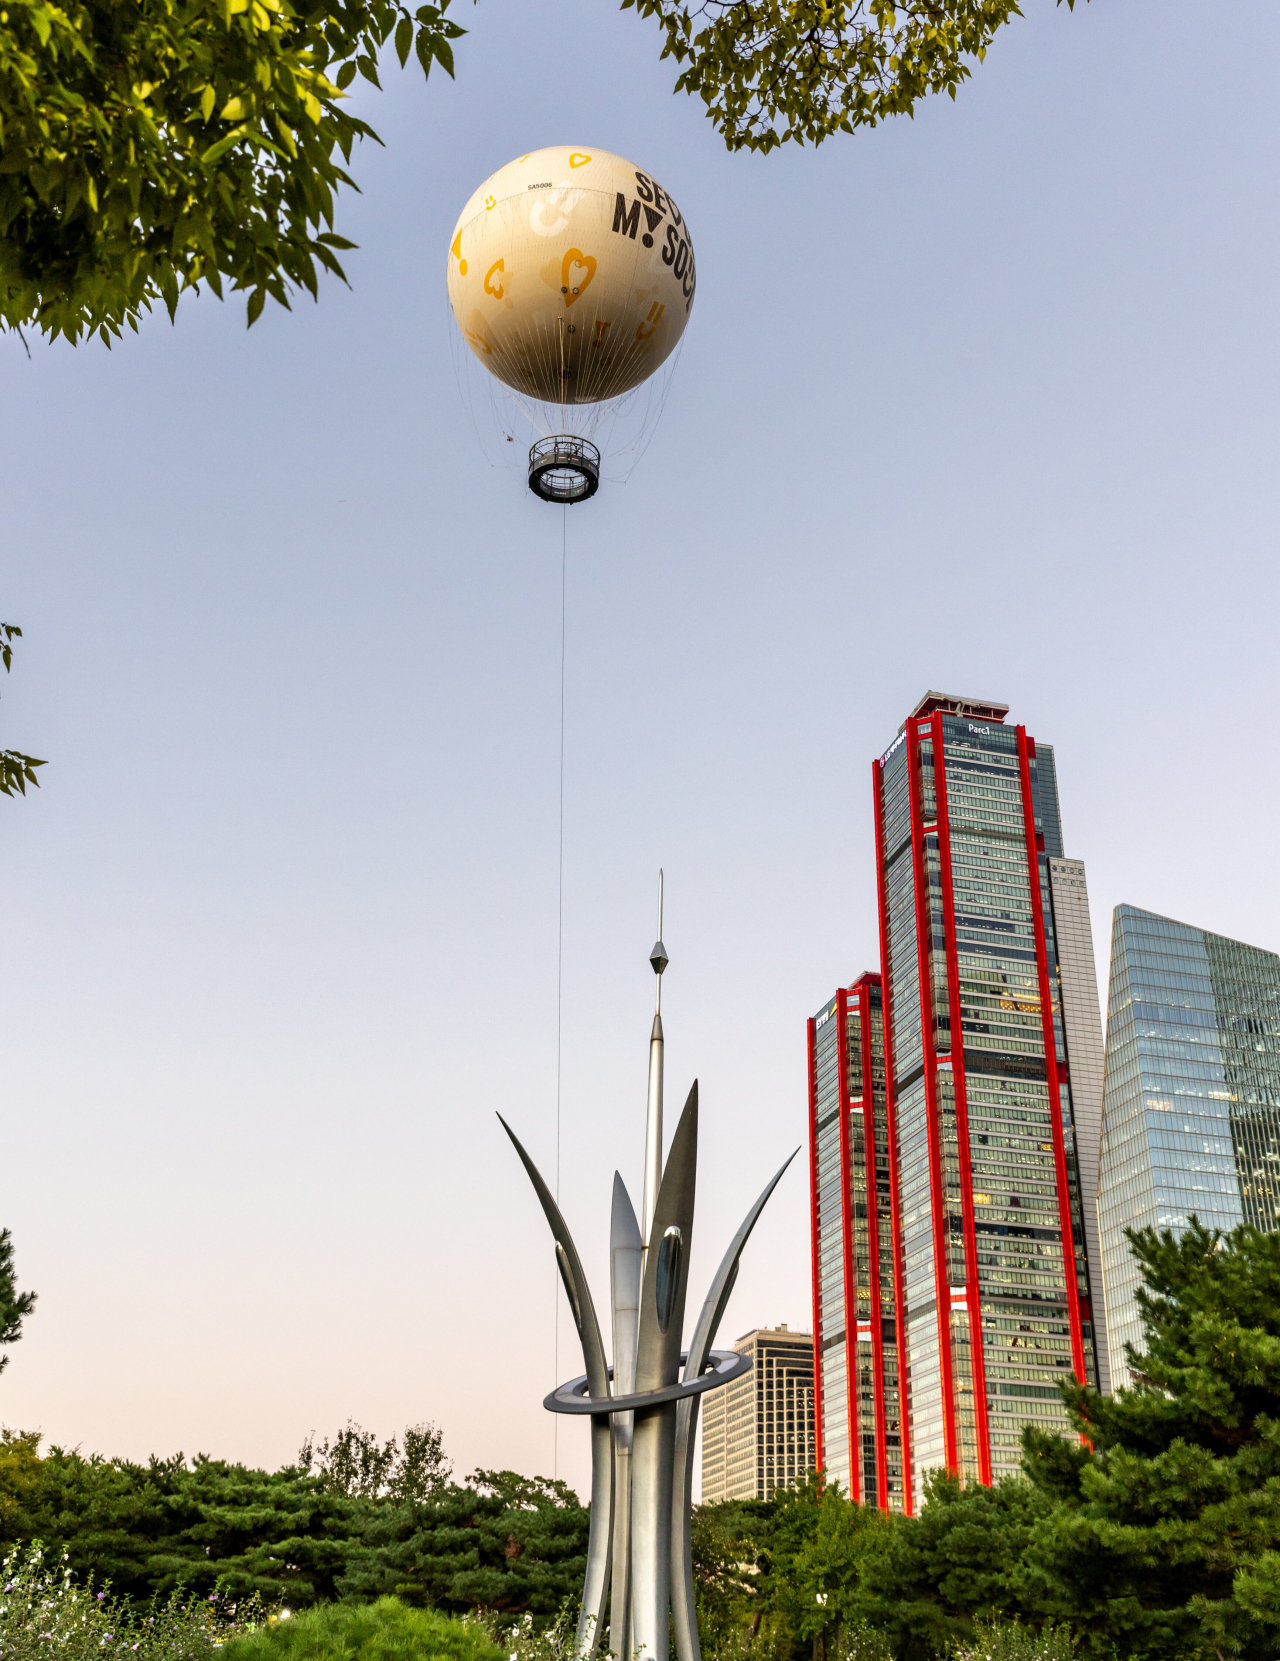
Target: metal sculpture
<point>644,1414</point>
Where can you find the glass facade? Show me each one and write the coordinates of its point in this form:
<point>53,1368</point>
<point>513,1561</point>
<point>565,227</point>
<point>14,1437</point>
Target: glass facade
<point>855,1260</point>
<point>1191,1107</point>
<point>759,1433</point>
<point>996,1290</point>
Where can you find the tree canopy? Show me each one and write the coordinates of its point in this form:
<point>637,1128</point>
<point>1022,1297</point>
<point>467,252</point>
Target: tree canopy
<point>151,148</point>
<point>773,72</point>
<point>1164,1539</point>
<point>511,1544</point>
<point>410,1470</point>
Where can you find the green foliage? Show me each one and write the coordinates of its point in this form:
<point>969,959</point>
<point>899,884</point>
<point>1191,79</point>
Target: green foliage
<point>781,1577</point>
<point>507,1543</point>
<point>19,1472</point>
<point>528,1639</point>
<point>210,1527</point>
<point>789,70</point>
<point>149,148</point>
<point>387,1630</point>
<point>16,773</point>
<point>1012,1641</point>
<point>957,1563</point>
<point>358,1465</point>
<point>858,1642</point>
<point>145,148</point>
<point>15,1306</point>
<point>1164,1540</point>
<point>46,1616</point>
<point>730,1543</point>
<point>820,1542</point>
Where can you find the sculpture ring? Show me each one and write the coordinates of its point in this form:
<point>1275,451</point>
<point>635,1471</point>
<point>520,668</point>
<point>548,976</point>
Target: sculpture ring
<point>573,1398</point>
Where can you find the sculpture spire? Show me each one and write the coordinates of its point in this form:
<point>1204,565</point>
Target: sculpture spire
<point>644,1420</point>
<point>653,1120</point>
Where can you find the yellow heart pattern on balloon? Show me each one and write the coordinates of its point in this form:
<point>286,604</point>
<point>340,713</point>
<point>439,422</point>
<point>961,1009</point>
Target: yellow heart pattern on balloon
<point>578,261</point>
<point>577,159</point>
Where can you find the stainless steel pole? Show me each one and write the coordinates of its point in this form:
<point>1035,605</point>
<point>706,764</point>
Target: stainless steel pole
<point>653,1120</point>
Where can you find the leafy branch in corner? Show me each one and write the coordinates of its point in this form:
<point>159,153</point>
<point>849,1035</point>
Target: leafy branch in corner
<point>777,71</point>
<point>146,149</point>
<point>16,773</point>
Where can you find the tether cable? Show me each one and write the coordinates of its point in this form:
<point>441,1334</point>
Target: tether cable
<point>555,1290</point>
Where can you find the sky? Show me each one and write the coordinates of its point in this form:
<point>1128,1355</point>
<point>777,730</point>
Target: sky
<point>983,401</point>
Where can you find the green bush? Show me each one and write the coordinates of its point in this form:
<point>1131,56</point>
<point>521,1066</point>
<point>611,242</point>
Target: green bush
<point>387,1630</point>
<point>46,1616</point>
<point>1011,1641</point>
<point>368,1522</point>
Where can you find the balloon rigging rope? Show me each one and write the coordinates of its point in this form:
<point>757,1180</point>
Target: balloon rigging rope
<point>555,1291</point>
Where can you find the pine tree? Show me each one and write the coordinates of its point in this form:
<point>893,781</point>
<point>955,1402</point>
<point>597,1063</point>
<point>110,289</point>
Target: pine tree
<point>957,1562</point>
<point>14,1305</point>
<point>1164,1544</point>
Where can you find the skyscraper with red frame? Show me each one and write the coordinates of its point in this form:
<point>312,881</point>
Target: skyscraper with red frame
<point>995,1290</point>
<point>856,1317</point>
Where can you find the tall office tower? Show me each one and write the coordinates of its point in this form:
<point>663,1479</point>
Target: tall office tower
<point>855,1281</point>
<point>758,1432</point>
<point>1082,1018</point>
<point>981,1086</point>
<point>1191,1116</point>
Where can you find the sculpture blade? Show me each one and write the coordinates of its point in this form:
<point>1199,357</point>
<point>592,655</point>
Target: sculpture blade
<point>683,1607</point>
<point>713,1308</point>
<point>661,1329</point>
<point>626,1251</point>
<point>600,1532</point>
<point>662,1299</point>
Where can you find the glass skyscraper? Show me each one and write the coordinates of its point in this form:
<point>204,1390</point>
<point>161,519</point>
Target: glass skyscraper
<point>992,1041</point>
<point>856,1311</point>
<point>1191,1113</point>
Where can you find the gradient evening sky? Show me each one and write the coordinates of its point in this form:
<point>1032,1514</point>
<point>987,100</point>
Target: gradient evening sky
<point>984,401</point>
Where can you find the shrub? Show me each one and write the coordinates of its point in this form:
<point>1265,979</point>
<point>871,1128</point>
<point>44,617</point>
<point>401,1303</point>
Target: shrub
<point>1011,1641</point>
<point>46,1616</point>
<point>387,1630</point>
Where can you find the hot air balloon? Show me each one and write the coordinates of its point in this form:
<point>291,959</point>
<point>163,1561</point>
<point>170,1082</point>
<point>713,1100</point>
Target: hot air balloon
<point>571,278</point>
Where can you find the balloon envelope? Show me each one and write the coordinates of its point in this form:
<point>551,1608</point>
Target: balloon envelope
<point>571,275</point>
